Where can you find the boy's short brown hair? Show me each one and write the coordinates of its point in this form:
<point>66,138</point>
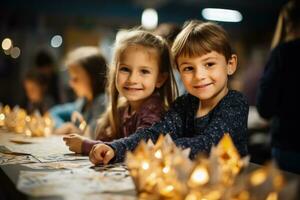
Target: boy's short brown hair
<point>198,38</point>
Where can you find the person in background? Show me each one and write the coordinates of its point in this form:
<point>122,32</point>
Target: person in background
<point>198,119</point>
<point>45,64</point>
<point>86,67</point>
<point>141,86</point>
<point>169,31</point>
<point>277,98</point>
<point>35,85</point>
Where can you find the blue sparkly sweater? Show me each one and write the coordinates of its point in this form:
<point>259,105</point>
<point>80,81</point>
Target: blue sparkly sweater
<point>230,115</point>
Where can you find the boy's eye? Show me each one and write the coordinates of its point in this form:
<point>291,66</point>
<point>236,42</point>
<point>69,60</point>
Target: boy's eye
<point>209,64</point>
<point>145,71</point>
<point>124,69</point>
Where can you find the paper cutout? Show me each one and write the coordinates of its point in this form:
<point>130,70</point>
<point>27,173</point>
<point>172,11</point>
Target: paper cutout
<point>9,159</point>
<point>83,181</point>
<point>59,165</point>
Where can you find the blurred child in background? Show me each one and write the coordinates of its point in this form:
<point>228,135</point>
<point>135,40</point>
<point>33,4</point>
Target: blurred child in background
<point>35,85</point>
<point>169,31</point>
<point>86,67</point>
<point>45,64</point>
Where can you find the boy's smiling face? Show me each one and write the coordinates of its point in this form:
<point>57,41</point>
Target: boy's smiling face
<point>205,76</point>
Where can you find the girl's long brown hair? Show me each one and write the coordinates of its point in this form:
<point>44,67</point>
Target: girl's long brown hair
<point>109,123</point>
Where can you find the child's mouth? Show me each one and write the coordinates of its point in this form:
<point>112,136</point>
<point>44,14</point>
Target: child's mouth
<point>202,86</point>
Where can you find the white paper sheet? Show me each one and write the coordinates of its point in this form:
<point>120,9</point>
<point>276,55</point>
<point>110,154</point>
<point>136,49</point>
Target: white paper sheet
<point>83,181</point>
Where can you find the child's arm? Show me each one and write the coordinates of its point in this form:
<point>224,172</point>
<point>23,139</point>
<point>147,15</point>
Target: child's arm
<point>229,117</point>
<point>67,128</point>
<point>171,123</point>
<point>74,142</point>
<point>268,91</point>
<point>80,144</point>
<point>101,154</point>
<point>62,113</point>
<point>87,145</point>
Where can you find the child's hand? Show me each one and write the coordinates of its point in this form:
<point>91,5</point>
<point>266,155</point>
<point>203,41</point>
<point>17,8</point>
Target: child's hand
<point>74,141</point>
<point>101,154</point>
<point>67,128</point>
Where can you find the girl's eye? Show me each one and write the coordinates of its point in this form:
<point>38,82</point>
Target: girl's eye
<point>187,68</point>
<point>145,71</point>
<point>124,69</point>
<point>209,64</point>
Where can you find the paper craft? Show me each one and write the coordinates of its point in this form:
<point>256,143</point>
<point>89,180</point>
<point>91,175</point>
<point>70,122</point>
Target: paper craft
<point>4,149</point>
<point>59,165</point>
<point>108,196</point>
<point>9,159</point>
<point>23,139</point>
<point>53,145</point>
<point>50,149</point>
<point>67,181</point>
<point>60,157</point>
<point>119,167</point>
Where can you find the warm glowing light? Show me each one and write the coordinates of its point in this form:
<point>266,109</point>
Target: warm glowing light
<point>15,52</point>
<point>6,109</point>
<point>82,125</point>
<point>163,171</point>
<point>191,197</point>
<point>158,154</point>
<point>6,44</point>
<point>213,195</point>
<point>244,195</point>
<point>258,177</point>
<point>149,18</point>
<point>169,188</point>
<point>166,169</point>
<point>272,196</point>
<point>2,116</point>
<point>278,181</point>
<point>145,165</point>
<point>56,41</point>
<point>223,15</point>
<point>27,118</point>
<point>200,176</point>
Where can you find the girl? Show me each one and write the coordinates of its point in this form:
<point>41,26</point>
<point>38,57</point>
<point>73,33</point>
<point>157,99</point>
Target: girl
<point>35,89</point>
<point>86,67</point>
<point>140,86</point>
<point>199,119</point>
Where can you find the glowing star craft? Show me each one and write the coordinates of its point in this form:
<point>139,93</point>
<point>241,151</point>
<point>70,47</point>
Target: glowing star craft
<point>163,171</point>
<point>18,121</point>
<point>38,125</point>
<point>15,119</point>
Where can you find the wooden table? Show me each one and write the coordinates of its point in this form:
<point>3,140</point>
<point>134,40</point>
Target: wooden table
<point>46,150</point>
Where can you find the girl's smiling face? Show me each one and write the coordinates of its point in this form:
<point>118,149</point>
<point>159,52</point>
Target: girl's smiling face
<point>138,74</point>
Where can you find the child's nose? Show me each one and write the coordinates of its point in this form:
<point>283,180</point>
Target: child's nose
<point>200,73</point>
<point>133,77</point>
